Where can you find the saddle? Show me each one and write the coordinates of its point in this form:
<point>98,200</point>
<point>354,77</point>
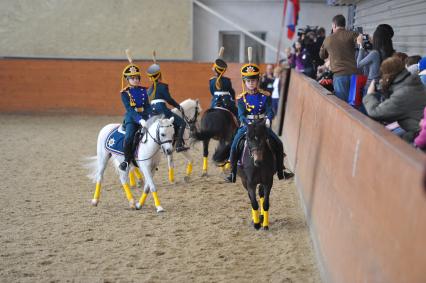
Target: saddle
<point>115,141</point>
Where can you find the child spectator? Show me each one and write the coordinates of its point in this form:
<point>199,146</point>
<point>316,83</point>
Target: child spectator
<point>412,64</point>
<point>422,70</point>
<point>405,98</point>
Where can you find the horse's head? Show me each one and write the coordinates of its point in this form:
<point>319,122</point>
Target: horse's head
<point>256,141</point>
<point>164,134</point>
<point>192,111</point>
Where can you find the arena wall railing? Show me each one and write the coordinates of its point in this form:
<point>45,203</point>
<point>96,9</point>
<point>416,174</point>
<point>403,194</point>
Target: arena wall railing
<point>361,189</point>
<point>83,86</point>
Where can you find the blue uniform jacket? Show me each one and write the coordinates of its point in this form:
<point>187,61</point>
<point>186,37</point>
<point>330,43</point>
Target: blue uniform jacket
<point>226,86</point>
<point>257,103</point>
<point>162,92</point>
<point>135,100</point>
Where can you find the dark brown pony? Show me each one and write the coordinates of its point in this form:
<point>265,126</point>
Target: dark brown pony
<point>218,124</point>
<point>258,168</point>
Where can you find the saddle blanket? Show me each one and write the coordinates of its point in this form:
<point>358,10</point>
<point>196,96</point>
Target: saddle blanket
<point>115,141</point>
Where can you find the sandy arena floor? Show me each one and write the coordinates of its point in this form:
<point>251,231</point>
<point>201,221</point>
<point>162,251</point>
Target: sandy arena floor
<point>50,233</point>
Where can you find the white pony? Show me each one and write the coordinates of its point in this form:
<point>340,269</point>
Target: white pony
<point>192,111</point>
<point>158,134</point>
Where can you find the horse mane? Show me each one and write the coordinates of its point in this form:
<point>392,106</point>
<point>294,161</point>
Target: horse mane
<point>153,119</point>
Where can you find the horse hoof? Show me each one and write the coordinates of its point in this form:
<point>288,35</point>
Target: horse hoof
<point>94,202</point>
<point>160,209</point>
<point>186,179</point>
<point>138,206</point>
<point>256,226</point>
<point>265,228</point>
<point>204,174</point>
<point>132,204</point>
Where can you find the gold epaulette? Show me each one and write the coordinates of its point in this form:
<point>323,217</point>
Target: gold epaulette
<point>126,88</point>
<point>265,92</point>
<point>241,95</point>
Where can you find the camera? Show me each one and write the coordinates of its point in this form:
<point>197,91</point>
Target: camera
<point>305,30</point>
<point>366,44</point>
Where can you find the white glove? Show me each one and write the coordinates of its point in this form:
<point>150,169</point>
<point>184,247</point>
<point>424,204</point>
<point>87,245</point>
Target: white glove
<point>268,123</point>
<point>142,122</point>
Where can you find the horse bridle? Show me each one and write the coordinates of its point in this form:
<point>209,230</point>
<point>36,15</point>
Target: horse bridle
<point>191,122</point>
<point>157,139</point>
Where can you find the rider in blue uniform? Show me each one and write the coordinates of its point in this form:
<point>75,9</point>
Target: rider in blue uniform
<point>159,95</point>
<point>223,95</point>
<point>135,100</point>
<point>255,104</point>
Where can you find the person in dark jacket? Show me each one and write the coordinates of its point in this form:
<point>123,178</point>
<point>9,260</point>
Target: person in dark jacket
<point>404,98</point>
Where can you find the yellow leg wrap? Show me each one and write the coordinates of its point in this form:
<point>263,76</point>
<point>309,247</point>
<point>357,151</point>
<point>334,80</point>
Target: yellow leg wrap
<point>189,169</point>
<point>129,195</point>
<point>255,214</point>
<point>261,206</point>
<point>97,194</point>
<point>205,161</point>
<point>227,166</point>
<point>138,174</point>
<point>171,175</point>
<point>143,199</point>
<point>156,199</point>
<point>265,219</point>
<point>132,178</point>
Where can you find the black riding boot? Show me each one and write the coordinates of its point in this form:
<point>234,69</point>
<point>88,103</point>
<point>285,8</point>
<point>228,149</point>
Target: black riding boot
<point>232,177</point>
<point>128,156</point>
<point>279,158</point>
<point>180,143</point>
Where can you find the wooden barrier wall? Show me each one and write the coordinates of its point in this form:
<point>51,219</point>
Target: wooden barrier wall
<point>361,187</point>
<point>92,87</point>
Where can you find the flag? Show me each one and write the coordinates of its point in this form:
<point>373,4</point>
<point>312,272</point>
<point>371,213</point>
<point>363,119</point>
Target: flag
<point>291,13</point>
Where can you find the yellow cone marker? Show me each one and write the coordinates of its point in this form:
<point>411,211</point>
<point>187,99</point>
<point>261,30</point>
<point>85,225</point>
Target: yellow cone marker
<point>189,169</point>
<point>143,199</point>
<point>171,175</point>
<point>132,178</point>
<point>255,214</point>
<point>156,199</point>
<point>97,194</point>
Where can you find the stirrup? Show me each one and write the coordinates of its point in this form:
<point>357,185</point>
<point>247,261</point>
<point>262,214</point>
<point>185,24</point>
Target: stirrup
<point>123,165</point>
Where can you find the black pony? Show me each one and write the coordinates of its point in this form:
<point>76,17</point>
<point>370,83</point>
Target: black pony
<point>257,167</point>
<point>219,124</point>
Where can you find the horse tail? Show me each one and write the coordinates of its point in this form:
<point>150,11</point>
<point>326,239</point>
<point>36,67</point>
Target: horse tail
<point>91,164</point>
<point>221,153</point>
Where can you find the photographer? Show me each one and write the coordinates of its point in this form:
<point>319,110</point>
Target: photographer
<point>405,98</point>
<point>382,48</point>
<point>340,47</point>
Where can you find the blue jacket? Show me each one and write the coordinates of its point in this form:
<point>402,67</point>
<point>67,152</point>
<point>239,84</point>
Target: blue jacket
<point>257,103</point>
<point>162,92</point>
<point>226,86</point>
<point>135,100</point>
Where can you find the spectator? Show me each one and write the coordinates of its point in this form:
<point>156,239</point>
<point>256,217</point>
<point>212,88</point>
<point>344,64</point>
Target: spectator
<point>422,70</point>
<point>303,60</point>
<point>405,98</point>
<point>276,88</point>
<point>340,47</point>
<point>401,55</point>
<point>420,141</point>
<point>382,49</point>
<point>318,43</point>
<point>267,79</point>
<point>412,64</point>
<point>291,60</point>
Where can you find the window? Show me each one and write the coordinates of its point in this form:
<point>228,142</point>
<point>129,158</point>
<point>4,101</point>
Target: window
<point>236,44</point>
